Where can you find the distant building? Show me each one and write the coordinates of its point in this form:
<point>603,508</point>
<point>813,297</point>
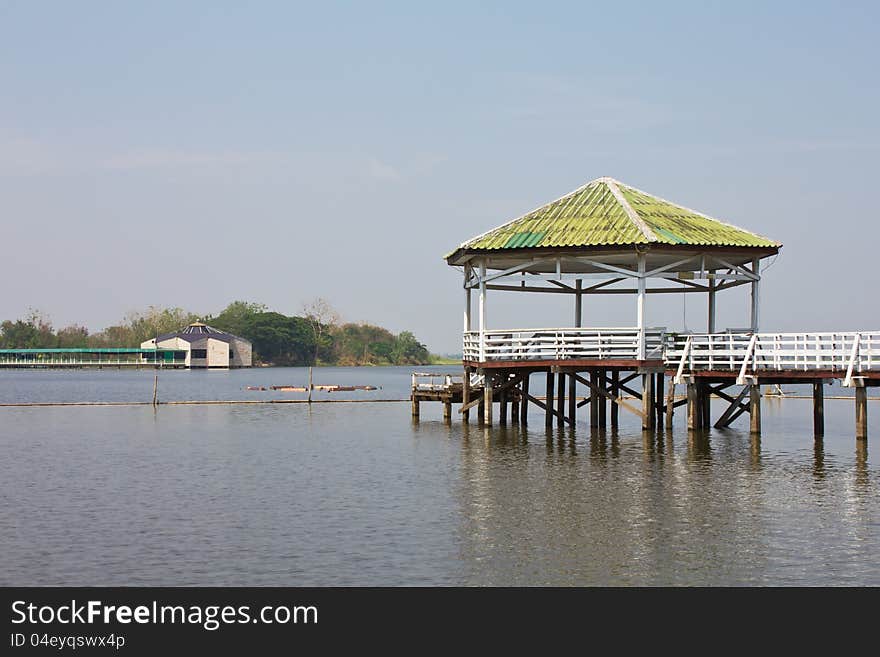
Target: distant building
<point>206,346</point>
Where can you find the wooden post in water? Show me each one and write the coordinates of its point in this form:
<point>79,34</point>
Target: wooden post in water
<point>692,412</point>
<point>466,393</point>
<point>548,400</point>
<point>615,390</point>
<point>818,408</point>
<point>670,403</point>
<point>156,391</point>
<point>560,400</point>
<point>755,408</point>
<point>594,399</point>
<point>310,392</point>
<point>487,399</point>
<point>502,401</point>
<point>415,400</point>
<point>572,398</point>
<point>602,400</point>
<point>514,404</point>
<point>861,412</point>
<point>524,409</point>
<point>705,393</point>
<point>647,401</point>
<point>658,397</point>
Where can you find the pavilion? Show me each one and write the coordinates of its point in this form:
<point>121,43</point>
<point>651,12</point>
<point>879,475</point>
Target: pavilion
<point>607,237</point>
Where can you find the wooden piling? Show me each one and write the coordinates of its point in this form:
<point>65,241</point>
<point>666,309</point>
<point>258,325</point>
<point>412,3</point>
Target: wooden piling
<point>818,408</point>
<point>502,403</point>
<point>560,399</point>
<point>670,403</point>
<point>415,405</point>
<point>755,408</point>
<point>548,401</point>
<point>514,404</point>
<point>487,399</point>
<point>692,413</point>
<point>594,399</point>
<point>658,397</point>
<point>466,395</point>
<point>572,398</point>
<point>447,410</point>
<point>524,409</point>
<point>602,400</point>
<point>647,401</point>
<point>861,413</point>
<point>615,390</point>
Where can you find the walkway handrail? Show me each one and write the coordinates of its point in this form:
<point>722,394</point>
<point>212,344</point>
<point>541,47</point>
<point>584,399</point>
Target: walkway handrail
<point>684,356</point>
<point>847,381</point>
<point>741,379</point>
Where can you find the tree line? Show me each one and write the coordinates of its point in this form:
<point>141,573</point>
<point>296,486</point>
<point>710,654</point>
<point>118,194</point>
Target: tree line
<point>317,336</point>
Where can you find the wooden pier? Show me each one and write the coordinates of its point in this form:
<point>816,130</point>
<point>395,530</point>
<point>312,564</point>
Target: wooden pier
<point>728,367</point>
<point>610,238</point>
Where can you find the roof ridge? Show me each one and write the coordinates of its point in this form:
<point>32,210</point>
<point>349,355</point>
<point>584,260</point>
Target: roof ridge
<point>696,212</point>
<point>630,212</point>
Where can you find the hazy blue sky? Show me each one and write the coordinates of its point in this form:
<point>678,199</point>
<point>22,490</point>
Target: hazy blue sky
<point>189,154</point>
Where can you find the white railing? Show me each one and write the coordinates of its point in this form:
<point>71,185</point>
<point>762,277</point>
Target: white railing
<point>432,381</point>
<point>847,353</point>
<point>562,343</point>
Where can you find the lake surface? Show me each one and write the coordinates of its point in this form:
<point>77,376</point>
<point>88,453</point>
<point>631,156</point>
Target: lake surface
<point>356,494</point>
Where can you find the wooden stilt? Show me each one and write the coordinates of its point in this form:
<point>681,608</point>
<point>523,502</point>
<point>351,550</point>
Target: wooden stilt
<point>670,403</point>
<point>705,406</point>
<point>447,410</point>
<point>572,399</point>
<point>692,403</point>
<point>601,401</point>
<point>502,401</point>
<point>818,408</point>
<point>487,399</point>
<point>415,406</point>
<point>755,408</point>
<point>524,409</point>
<point>560,399</point>
<point>615,390</point>
<point>647,401</point>
<point>861,413</point>
<point>466,395</point>
<point>594,399</point>
<point>658,398</point>
<point>551,381</point>
<point>514,405</point>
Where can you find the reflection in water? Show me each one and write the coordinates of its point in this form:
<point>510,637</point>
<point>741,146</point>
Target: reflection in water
<point>819,458</point>
<point>755,450</point>
<point>356,495</point>
<point>861,479</point>
<point>699,445</point>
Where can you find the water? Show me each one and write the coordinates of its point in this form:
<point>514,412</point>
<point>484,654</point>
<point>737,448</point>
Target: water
<point>356,494</point>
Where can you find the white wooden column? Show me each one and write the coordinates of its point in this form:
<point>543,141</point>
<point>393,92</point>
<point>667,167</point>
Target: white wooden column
<point>467,306</point>
<point>578,304</point>
<point>756,266</point>
<point>712,284</point>
<point>641,307</point>
<point>482,311</point>
<point>467,300</point>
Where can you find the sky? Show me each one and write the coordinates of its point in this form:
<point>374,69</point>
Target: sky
<point>192,154</point>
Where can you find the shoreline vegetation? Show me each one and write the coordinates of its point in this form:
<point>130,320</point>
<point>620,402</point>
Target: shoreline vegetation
<point>317,336</point>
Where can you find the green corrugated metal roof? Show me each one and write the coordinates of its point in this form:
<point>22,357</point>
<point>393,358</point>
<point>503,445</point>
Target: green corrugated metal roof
<point>605,212</point>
